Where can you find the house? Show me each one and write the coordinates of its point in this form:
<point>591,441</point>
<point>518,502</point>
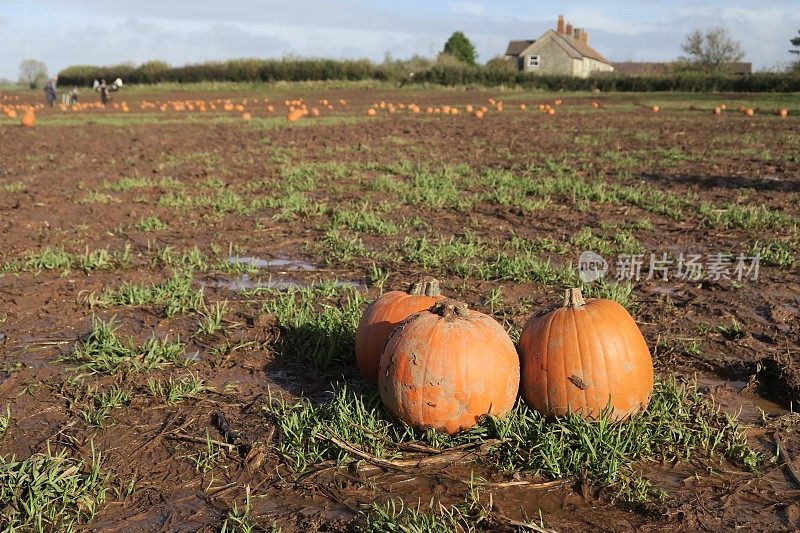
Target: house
<point>564,51</point>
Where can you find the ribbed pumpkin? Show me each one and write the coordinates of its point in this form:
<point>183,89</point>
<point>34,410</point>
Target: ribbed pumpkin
<point>383,315</point>
<point>445,367</point>
<point>583,357</point>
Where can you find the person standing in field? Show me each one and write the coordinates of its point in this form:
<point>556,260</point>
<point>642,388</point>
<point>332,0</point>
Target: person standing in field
<point>51,91</point>
<point>103,89</point>
<point>73,95</point>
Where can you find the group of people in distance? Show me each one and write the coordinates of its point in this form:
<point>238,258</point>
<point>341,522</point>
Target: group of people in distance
<point>51,91</point>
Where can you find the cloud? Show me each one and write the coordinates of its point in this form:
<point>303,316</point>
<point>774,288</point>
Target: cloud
<point>470,9</point>
<point>112,31</point>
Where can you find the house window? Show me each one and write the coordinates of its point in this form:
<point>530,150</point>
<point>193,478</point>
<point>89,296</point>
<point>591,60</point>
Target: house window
<point>533,61</point>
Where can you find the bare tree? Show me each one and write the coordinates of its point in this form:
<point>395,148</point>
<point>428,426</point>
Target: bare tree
<point>32,73</point>
<point>712,50</point>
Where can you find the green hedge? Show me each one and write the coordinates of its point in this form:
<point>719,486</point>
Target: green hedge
<point>239,70</point>
<point>686,82</point>
<point>269,70</point>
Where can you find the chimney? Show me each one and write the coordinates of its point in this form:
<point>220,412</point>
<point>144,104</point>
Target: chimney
<point>560,25</point>
<point>577,33</point>
<point>585,36</point>
<point>569,29</point>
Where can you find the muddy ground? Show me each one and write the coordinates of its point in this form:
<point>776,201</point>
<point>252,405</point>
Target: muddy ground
<point>738,338</point>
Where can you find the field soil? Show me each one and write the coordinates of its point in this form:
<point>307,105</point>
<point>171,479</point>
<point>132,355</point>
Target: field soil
<point>149,186</point>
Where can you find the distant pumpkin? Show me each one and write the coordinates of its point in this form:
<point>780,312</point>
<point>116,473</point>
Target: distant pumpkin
<point>28,119</point>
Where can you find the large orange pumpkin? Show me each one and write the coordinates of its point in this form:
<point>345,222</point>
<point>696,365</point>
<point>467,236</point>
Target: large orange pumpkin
<point>446,367</point>
<point>585,356</point>
<point>383,315</point>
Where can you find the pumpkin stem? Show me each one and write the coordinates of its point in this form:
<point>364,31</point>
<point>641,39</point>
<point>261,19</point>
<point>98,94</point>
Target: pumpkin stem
<point>573,298</point>
<point>427,286</point>
<point>449,308</point>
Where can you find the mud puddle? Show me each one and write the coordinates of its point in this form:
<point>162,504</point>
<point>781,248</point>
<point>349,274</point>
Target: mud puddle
<point>280,263</point>
<point>738,398</point>
<point>246,283</point>
<point>277,278</point>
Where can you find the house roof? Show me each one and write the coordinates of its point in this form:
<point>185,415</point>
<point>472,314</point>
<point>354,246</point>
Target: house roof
<point>515,48</point>
<point>581,48</point>
<point>574,47</point>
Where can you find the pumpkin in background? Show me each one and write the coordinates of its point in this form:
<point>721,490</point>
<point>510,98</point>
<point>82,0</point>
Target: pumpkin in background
<point>585,356</point>
<point>748,112</point>
<point>655,109</point>
<point>383,315</point>
<point>783,112</point>
<point>446,367</point>
<point>28,119</point>
<point>717,110</point>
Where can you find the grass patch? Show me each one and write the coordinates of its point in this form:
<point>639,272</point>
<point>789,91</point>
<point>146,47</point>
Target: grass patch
<point>173,391</point>
<point>94,406</point>
<point>318,323</point>
<point>678,424</point>
<point>132,183</point>
<point>363,220</point>
<point>175,295</point>
<point>773,253</point>
<point>14,186</point>
<point>342,247</point>
<point>470,515</point>
<point>49,492</point>
<point>59,259</point>
<point>103,352</point>
<point>5,422</point>
<point>743,217</point>
<point>152,223</point>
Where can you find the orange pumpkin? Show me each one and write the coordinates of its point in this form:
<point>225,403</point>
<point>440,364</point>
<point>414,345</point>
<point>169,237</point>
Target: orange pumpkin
<point>783,112</point>
<point>371,112</point>
<point>655,109</point>
<point>748,112</point>
<point>717,110</point>
<point>383,315</point>
<point>28,119</point>
<point>446,367</point>
<point>246,116</point>
<point>585,356</point>
<point>479,113</point>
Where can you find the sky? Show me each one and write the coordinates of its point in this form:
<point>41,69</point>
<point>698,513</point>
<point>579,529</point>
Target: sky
<point>104,32</point>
